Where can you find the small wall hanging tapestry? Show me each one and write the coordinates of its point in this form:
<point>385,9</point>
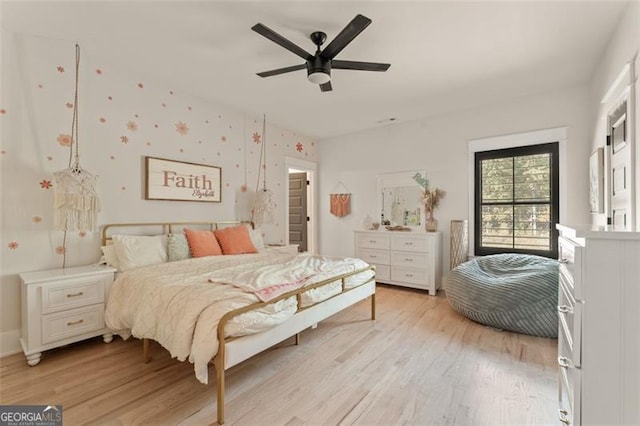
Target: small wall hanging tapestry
<point>340,204</point>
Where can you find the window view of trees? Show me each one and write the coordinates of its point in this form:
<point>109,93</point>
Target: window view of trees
<point>515,199</point>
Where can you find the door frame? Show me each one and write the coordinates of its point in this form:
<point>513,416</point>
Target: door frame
<point>312,205</point>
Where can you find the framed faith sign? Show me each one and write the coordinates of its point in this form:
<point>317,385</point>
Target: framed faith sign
<point>182,181</point>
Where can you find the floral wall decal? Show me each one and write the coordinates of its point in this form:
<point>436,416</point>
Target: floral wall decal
<point>128,118</point>
<point>64,139</point>
<point>299,147</point>
<point>182,128</point>
<point>13,245</point>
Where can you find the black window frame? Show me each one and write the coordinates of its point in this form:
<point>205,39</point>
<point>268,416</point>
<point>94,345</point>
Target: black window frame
<point>554,202</point>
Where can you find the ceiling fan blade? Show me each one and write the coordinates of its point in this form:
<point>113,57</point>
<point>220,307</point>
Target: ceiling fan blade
<point>355,65</point>
<point>282,70</point>
<point>355,27</point>
<point>278,39</point>
<point>326,87</point>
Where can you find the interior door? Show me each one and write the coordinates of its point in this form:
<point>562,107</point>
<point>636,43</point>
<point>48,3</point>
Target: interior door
<point>298,210</point>
<point>620,179</point>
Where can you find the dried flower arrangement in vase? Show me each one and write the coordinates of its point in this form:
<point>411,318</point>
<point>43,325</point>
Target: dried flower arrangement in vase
<point>430,199</point>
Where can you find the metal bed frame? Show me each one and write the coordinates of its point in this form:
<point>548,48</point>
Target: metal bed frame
<point>233,350</point>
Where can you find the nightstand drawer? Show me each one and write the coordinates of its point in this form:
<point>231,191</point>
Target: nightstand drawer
<point>72,293</point>
<point>71,323</point>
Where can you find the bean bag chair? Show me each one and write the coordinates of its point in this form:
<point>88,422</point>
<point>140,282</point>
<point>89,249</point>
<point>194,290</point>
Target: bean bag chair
<point>514,292</point>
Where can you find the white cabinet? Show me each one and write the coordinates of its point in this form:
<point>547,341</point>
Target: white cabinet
<point>599,319</point>
<point>409,259</point>
<point>62,306</point>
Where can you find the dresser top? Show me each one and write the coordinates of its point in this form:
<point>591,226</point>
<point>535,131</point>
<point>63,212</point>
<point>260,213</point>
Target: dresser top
<point>599,232</point>
<point>76,271</point>
<point>411,233</point>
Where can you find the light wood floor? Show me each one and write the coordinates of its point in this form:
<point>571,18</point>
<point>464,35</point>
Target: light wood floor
<point>418,363</point>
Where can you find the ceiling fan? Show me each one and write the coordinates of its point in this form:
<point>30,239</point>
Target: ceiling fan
<point>320,64</point>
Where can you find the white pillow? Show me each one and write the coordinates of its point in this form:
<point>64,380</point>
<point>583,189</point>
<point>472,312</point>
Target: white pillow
<point>134,251</point>
<point>110,256</point>
<point>256,239</point>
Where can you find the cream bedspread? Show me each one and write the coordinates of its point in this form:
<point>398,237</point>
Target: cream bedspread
<point>174,303</point>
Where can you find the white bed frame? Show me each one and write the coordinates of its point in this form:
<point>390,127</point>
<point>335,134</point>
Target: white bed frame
<point>232,351</point>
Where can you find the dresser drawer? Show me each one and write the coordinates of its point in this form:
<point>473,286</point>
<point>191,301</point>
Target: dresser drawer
<point>408,243</point>
<point>410,275</point>
<point>565,410</point>
<point>569,372</point>
<point>570,257</point>
<point>412,260</point>
<point>74,322</point>
<point>570,321</point>
<point>373,241</point>
<point>72,293</point>
<point>383,273</point>
<point>378,257</point>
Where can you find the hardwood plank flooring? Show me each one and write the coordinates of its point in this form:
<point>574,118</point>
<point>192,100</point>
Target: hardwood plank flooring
<point>418,363</point>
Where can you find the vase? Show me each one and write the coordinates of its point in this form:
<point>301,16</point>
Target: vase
<point>431,224</point>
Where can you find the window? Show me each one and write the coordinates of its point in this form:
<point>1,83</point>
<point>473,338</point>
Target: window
<point>516,200</point>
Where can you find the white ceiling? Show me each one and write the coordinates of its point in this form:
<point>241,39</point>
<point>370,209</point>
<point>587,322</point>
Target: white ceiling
<point>444,55</point>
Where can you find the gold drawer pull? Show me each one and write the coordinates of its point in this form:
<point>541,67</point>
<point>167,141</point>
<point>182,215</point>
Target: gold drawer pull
<point>564,309</point>
<point>408,260</point>
<point>80,293</point>
<point>373,256</point>
<point>373,241</point>
<point>80,321</point>
<point>563,416</point>
<point>408,275</point>
<point>563,362</point>
<point>408,243</point>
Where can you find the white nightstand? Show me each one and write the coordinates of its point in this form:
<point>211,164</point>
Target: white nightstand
<point>288,249</point>
<point>62,306</point>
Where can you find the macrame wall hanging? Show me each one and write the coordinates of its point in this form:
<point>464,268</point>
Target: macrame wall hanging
<point>76,203</point>
<point>340,203</point>
<point>264,204</point>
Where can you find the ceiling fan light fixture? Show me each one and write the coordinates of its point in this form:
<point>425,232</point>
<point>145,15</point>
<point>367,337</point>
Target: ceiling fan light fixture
<point>319,77</point>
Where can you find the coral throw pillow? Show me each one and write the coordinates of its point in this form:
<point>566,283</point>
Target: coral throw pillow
<point>202,243</point>
<point>235,240</point>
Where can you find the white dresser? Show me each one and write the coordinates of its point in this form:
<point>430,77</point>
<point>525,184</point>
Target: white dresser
<point>599,326</point>
<point>62,306</point>
<point>409,259</point>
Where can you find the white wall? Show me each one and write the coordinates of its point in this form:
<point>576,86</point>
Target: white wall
<point>34,97</point>
<point>620,51</point>
<point>439,145</point>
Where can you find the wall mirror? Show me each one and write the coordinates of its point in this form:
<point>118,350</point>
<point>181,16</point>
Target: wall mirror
<point>399,199</point>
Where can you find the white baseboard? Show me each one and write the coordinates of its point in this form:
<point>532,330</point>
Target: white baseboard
<point>10,343</point>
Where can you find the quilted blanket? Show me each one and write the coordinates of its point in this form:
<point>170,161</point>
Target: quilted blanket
<point>175,304</point>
